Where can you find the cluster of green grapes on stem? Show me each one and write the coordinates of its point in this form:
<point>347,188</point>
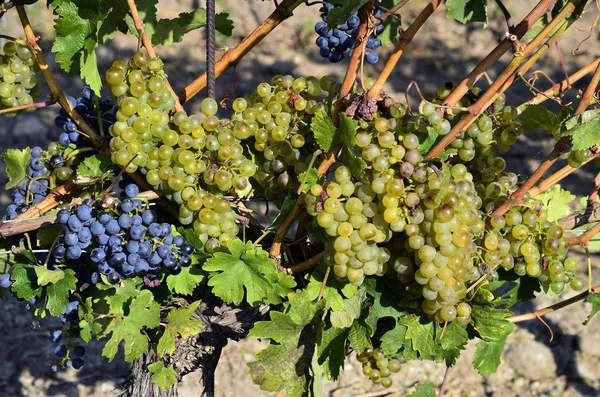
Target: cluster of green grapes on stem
<point>200,160</point>
<point>18,81</point>
<point>430,224</point>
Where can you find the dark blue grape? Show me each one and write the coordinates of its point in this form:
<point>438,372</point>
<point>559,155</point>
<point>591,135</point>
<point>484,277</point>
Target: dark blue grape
<point>117,260</point>
<point>74,224</point>
<point>55,336</point>
<point>84,235</point>
<point>164,251</point>
<point>185,261</point>
<point>113,227</point>
<point>104,218</point>
<point>78,351</point>
<point>5,281</point>
<point>125,221</point>
<point>187,249</point>
<point>114,277</point>
<point>132,190</point>
<point>126,205</point>
<point>84,213</point>
<point>97,255</point>
<point>102,239</point>
<point>73,252</point>
<point>97,228</point>
<point>148,217</point>
<point>71,239</point>
<point>60,351</point>
<point>136,220</point>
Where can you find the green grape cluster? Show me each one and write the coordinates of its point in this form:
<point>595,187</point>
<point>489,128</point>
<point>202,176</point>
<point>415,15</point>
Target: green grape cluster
<point>142,96</point>
<point>378,366</point>
<point>430,225</point>
<point>278,119</point>
<point>18,81</point>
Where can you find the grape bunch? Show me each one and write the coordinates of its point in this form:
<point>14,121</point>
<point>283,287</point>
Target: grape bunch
<point>18,81</point>
<point>379,367</point>
<point>68,350</point>
<point>279,119</point>
<point>99,113</point>
<point>32,189</point>
<point>142,97</point>
<point>334,43</point>
<point>123,241</point>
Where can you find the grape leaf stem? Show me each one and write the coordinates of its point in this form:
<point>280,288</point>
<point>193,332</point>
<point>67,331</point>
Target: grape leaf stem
<point>139,25</point>
<point>552,308</point>
<point>507,76</point>
<point>562,146</point>
<point>561,87</point>
<point>404,41</point>
<point>56,92</point>
<point>233,55</point>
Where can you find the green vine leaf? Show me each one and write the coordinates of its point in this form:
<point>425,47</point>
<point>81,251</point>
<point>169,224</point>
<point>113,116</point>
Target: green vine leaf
<point>584,129</point>
<point>323,129</point>
<point>143,312</point>
<point>169,31</point>
<point>393,340</point>
<point>594,299</point>
<point>355,164</point>
<point>334,291</point>
<point>247,269</point>
<point>424,390</point>
<point>537,117</point>
<point>556,202</point>
<point>164,377</point>
<point>466,11</point>
<point>490,322</point>
<point>186,281</point>
<point>179,324</point>
<point>58,291</point>
<point>80,28</point>
<point>331,350</point>
<point>96,166</point>
<point>24,280</point>
<point>16,162</point>
<point>487,355</point>
<point>285,363</point>
<point>421,333</point>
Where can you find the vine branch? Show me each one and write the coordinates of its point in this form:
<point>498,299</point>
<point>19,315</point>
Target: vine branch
<point>405,39</point>
<point>461,89</point>
<point>542,312</point>
<point>559,88</point>
<point>233,55</point>
<point>557,177</point>
<point>36,105</point>
<point>56,92</point>
<point>147,43</point>
<point>501,82</point>
<point>562,146</point>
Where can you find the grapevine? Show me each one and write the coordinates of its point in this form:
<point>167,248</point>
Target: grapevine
<point>400,232</point>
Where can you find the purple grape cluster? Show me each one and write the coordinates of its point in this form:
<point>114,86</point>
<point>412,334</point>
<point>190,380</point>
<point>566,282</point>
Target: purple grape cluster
<point>334,43</point>
<point>32,189</point>
<point>124,242</point>
<point>68,349</point>
<point>84,106</point>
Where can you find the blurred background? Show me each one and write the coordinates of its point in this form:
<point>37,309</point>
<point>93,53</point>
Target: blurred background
<point>444,50</point>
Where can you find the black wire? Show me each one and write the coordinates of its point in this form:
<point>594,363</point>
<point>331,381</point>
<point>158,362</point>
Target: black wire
<point>210,49</point>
